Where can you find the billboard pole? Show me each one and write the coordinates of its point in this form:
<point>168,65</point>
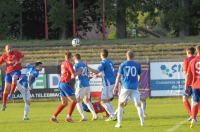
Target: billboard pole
<point>103,20</point>
<point>46,21</point>
<point>74,20</point>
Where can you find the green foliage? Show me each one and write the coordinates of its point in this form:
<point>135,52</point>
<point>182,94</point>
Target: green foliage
<point>60,14</point>
<point>162,16</point>
<point>9,16</point>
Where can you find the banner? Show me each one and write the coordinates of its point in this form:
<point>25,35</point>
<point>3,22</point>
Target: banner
<point>40,93</point>
<point>40,82</point>
<point>167,78</point>
<point>144,84</point>
<point>46,85</point>
<point>53,80</point>
<point>95,83</point>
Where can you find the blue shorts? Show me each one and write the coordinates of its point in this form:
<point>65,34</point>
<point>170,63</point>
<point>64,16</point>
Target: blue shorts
<point>9,76</point>
<point>196,95</point>
<point>66,90</point>
<point>189,92</point>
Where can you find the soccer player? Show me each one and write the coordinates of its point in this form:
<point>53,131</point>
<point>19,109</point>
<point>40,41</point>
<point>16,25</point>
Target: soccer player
<point>25,85</point>
<point>129,74</point>
<point>66,90</point>
<point>82,87</point>
<point>190,55</point>
<point>12,59</point>
<point>193,79</point>
<point>106,68</point>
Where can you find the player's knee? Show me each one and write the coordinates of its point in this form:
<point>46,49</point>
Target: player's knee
<point>87,100</point>
<point>185,98</point>
<point>111,99</point>
<point>74,100</point>
<point>15,78</point>
<point>64,103</point>
<point>7,86</point>
<point>27,102</point>
<point>7,89</point>
<point>122,104</point>
<point>78,100</point>
<point>195,103</point>
<point>138,104</point>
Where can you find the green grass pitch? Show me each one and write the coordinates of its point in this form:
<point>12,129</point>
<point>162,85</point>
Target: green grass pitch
<point>164,115</point>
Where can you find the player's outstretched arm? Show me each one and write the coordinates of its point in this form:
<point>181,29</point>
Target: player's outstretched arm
<point>93,70</point>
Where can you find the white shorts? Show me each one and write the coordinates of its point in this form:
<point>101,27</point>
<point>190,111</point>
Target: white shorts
<point>107,92</point>
<point>126,94</point>
<point>24,91</point>
<point>82,92</point>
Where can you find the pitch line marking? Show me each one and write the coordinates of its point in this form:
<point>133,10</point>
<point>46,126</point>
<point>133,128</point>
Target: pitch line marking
<point>177,126</point>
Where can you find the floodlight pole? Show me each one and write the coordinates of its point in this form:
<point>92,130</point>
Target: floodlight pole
<point>46,21</point>
<point>74,19</point>
<point>103,20</point>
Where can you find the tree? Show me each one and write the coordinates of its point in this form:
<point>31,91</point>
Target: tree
<point>60,15</point>
<point>33,19</point>
<point>8,18</point>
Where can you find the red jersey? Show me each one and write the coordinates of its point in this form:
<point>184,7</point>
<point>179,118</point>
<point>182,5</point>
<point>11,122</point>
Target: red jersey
<point>186,63</point>
<point>66,71</point>
<point>10,60</point>
<point>194,73</point>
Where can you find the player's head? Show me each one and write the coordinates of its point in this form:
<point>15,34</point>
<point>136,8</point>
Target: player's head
<point>104,53</point>
<point>8,48</point>
<point>190,51</point>
<point>38,65</point>
<point>77,57</point>
<point>129,55</point>
<point>68,55</point>
<point>198,49</point>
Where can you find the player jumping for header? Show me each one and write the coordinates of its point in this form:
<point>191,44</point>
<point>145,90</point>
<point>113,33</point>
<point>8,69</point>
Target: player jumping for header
<point>13,60</point>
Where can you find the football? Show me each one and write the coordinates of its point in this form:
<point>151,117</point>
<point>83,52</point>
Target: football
<point>76,42</point>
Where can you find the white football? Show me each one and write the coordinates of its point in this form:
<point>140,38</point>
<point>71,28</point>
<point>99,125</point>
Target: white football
<point>76,42</point>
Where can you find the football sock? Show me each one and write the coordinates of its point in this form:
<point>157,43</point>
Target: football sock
<point>13,86</point>
<point>59,109</point>
<point>120,114</point>
<point>143,104</point>
<point>111,107</point>
<point>116,111</point>
<point>80,110</point>
<point>91,108</point>
<point>187,106</point>
<point>71,108</point>
<point>107,108</point>
<point>5,95</point>
<point>140,114</point>
<point>26,110</point>
<point>194,111</point>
